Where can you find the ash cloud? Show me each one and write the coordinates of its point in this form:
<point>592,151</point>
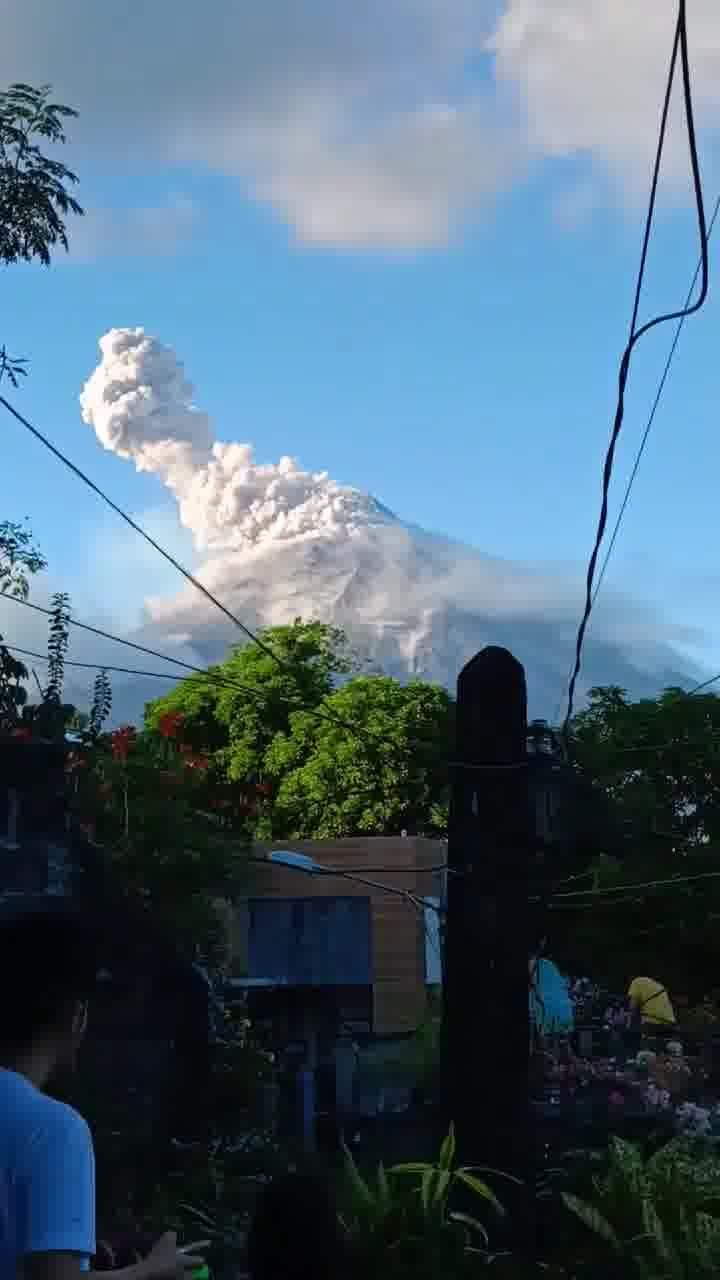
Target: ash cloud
<point>278,542</point>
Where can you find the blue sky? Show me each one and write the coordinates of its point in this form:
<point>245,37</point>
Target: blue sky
<point>469,383</point>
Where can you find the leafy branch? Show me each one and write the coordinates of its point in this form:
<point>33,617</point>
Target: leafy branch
<point>58,641</point>
<point>18,558</point>
<point>34,196</point>
<point>12,367</point>
<point>101,705</point>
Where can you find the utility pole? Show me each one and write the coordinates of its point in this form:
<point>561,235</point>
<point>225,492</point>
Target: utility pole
<point>486,1016</point>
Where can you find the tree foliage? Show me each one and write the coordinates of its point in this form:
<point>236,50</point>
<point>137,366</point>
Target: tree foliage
<point>101,706</point>
<point>19,560</point>
<point>153,807</point>
<point>659,761</point>
<point>390,775</point>
<point>35,196</point>
<point>35,189</point>
<point>319,758</point>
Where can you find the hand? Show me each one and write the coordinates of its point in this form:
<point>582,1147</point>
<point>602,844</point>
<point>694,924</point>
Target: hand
<point>166,1261</point>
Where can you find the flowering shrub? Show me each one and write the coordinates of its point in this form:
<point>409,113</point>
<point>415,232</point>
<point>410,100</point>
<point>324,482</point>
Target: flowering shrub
<point>661,1085</point>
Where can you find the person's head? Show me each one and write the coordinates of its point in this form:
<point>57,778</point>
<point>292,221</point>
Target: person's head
<point>295,1231</point>
<point>48,970</point>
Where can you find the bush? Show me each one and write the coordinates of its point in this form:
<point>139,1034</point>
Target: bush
<point>411,1220</point>
<point>655,1218</point>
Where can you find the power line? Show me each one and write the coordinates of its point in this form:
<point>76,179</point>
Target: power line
<point>645,436</point>
<point>94,666</point>
<point>626,888</point>
<point>680,46</point>
<point>213,676</point>
<point>176,564</point>
<point>698,688</point>
<point>198,672</point>
<point>654,408</point>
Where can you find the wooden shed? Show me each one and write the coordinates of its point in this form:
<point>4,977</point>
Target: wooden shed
<point>346,933</point>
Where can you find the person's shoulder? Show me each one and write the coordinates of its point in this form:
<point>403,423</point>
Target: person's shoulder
<point>59,1120</point>
<point>41,1116</point>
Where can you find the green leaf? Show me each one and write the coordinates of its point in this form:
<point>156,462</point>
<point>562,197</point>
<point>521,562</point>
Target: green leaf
<point>384,1192</point>
<point>356,1180</point>
<point>447,1150</point>
<point>467,1220</point>
<point>480,1188</point>
<point>592,1219</point>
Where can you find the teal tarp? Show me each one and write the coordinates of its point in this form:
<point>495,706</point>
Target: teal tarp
<point>551,1009</point>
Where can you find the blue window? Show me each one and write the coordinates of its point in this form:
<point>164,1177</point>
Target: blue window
<point>310,941</point>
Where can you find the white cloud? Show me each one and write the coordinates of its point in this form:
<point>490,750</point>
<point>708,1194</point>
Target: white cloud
<point>380,125</point>
<point>128,233</point>
<point>591,77</point>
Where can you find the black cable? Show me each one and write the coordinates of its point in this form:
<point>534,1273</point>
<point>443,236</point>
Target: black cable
<point>195,672</point>
<point>98,666</point>
<point>170,675</point>
<point>648,428</point>
<point>215,677</point>
<point>698,688</point>
<point>654,409</point>
<point>679,45</point>
<point>176,564</point>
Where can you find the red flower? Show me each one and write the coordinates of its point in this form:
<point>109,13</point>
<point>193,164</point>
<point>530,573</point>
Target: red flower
<point>121,740</point>
<point>170,724</point>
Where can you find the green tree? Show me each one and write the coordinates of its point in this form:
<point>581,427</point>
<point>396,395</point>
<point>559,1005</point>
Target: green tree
<point>151,805</point>
<point>367,756</point>
<point>390,774</point>
<point>35,199</point>
<point>35,189</point>
<point>658,759</point>
<point>19,560</point>
<point>244,702</point>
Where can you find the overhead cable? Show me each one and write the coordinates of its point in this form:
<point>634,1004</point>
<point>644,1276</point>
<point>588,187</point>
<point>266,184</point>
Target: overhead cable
<point>680,47</point>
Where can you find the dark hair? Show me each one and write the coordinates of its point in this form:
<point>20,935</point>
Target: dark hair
<point>48,961</point>
<point>295,1231</point>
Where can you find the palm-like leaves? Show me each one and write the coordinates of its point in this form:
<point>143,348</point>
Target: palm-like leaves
<point>660,1216</point>
<point>405,1219</point>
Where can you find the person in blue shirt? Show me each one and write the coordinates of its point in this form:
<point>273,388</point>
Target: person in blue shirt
<point>551,1007</point>
<point>48,969</point>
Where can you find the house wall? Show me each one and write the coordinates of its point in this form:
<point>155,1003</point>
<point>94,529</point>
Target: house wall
<point>397,926</point>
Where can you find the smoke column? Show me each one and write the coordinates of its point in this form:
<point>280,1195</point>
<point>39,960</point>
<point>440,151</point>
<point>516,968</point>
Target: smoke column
<point>140,406</point>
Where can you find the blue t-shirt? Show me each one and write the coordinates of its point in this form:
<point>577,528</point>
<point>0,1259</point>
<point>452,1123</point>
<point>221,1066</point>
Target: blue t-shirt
<point>47,1177</point>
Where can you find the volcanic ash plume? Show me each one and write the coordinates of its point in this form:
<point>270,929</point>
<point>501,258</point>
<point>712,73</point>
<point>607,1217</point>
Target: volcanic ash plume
<point>140,406</point>
<point>285,543</point>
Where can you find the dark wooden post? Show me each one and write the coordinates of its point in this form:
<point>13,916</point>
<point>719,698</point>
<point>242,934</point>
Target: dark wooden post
<point>486,1031</point>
